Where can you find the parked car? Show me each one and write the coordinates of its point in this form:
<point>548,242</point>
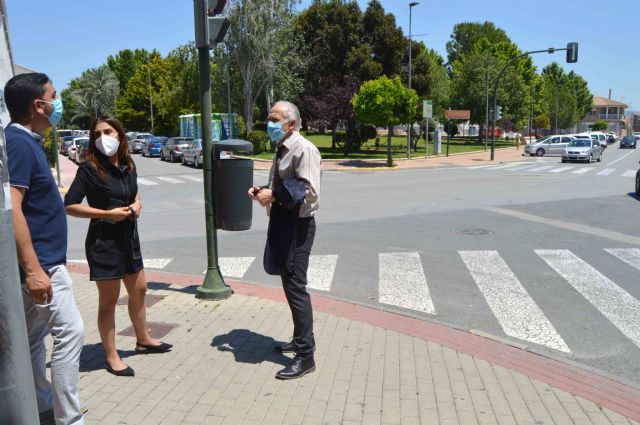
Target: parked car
<point>583,149</point>
<point>64,144</point>
<point>636,134</point>
<point>628,142</point>
<point>550,145</point>
<point>83,152</point>
<point>137,141</point>
<point>638,183</point>
<point>596,135</point>
<point>153,145</point>
<point>611,139</point>
<point>172,150</point>
<point>193,154</point>
<point>75,146</point>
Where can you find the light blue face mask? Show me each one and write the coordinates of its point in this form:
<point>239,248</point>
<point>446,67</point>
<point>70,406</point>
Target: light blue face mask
<point>56,115</point>
<point>275,131</point>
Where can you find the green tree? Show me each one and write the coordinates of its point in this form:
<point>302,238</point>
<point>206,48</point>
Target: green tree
<point>68,120</point>
<point>387,42</point>
<point>566,97</point>
<point>385,102</point>
<point>600,125</point>
<point>541,121</point>
<point>125,63</point>
<point>465,35</point>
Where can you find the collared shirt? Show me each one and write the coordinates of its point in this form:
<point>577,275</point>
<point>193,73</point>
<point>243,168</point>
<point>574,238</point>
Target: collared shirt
<point>300,159</point>
<point>41,204</point>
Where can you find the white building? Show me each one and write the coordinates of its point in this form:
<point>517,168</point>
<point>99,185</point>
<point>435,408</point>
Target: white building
<point>6,62</point>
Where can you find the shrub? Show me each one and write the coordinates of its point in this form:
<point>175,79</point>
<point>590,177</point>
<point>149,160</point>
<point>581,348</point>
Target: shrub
<point>258,139</point>
<point>49,148</point>
<point>341,137</point>
<point>242,128</point>
<point>260,126</point>
<point>600,125</point>
<point>368,132</point>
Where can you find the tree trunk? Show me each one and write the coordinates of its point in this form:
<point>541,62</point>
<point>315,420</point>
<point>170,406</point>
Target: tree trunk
<point>481,134</point>
<point>334,132</point>
<point>389,150</point>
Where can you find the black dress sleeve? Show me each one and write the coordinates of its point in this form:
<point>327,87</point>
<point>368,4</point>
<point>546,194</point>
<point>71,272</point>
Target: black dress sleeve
<point>81,185</point>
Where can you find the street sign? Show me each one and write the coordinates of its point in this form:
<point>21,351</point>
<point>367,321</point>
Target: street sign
<point>427,109</point>
<point>453,114</point>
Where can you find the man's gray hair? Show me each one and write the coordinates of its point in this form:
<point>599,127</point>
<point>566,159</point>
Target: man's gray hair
<point>291,112</point>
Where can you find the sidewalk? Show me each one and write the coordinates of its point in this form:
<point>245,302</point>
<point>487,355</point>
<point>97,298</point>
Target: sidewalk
<point>373,367</point>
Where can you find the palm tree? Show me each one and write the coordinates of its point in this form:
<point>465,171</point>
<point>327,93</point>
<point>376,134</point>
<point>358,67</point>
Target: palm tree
<point>97,93</point>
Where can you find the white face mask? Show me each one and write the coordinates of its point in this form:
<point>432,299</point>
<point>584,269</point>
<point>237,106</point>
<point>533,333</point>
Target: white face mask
<point>107,145</point>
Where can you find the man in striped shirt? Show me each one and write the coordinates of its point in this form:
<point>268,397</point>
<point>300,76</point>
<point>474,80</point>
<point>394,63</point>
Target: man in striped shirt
<point>292,198</point>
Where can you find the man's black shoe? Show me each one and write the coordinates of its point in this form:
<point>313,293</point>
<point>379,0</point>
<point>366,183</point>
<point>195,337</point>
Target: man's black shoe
<point>285,348</point>
<point>297,368</point>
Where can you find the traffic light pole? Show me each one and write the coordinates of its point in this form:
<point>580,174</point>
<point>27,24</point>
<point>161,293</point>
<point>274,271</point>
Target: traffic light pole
<point>214,287</point>
<point>495,92</point>
<point>17,394</point>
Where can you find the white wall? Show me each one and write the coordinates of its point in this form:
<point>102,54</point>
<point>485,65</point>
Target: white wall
<point>6,72</point>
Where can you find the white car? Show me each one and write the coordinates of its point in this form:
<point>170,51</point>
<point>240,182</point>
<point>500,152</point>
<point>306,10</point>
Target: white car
<point>636,134</point>
<point>75,145</point>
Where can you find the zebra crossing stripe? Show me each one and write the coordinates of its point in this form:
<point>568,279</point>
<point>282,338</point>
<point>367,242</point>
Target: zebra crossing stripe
<point>606,172</point>
<point>402,282</point>
<point>320,272</point>
<point>630,256</point>
<point>502,167</point>
<point>170,180</point>
<point>560,170</point>
<point>235,266</point>
<point>156,263</point>
<point>518,314</point>
<point>194,177</point>
<point>543,168</point>
<point>629,173</point>
<point>146,182</point>
<point>582,170</point>
<point>478,167</point>
<point>616,304</point>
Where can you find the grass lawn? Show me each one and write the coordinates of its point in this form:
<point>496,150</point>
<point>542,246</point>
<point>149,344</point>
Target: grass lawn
<point>370,151</point>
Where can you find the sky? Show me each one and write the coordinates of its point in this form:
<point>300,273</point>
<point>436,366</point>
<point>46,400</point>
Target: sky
<point>65,37</point>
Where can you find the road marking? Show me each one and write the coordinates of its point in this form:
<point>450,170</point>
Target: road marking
<point>606,172</point>
<point>194,177</point>
<point>170,180</point>
<point>621,158</point>
<point>612,301</point>
<point>543,168</point>
<point>583,170</point>
<point>146,182</point>
<point>502,167</point>
<point>403,283</point>
<point>321,270</point>
<point>560,170</point>
<point>521,167</point>
<point>630,256</point>
<point>629,173</point>
<point>234,266</point>
<point>513,307</point>
<point>149,263</point>
<point>477,167</point>
<point>156,263</point>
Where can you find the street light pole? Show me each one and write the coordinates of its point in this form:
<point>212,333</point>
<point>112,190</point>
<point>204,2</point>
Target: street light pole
<point>486,122</point>
<point>411,6</point>
<point>533,85</point>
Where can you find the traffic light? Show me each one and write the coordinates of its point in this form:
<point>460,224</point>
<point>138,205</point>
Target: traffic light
<point>210,26</point>
<point>572,52</point>
<point>498,112</point>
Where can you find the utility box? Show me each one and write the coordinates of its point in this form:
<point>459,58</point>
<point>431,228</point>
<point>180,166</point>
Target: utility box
<point>223,126</point>
<point>232,178</point>
<point>437,142</point>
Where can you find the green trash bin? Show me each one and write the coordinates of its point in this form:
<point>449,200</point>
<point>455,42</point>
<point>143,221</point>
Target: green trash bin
<point>232,178</point>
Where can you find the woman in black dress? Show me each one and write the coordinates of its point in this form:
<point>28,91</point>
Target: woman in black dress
<point>109,182</point>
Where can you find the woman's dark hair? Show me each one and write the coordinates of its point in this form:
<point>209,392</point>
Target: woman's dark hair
<point>100,160</point>
<point>21,90</point>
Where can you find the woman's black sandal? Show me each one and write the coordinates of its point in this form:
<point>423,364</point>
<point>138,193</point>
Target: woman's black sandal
<point>149,349</point>
<point>124,372</point>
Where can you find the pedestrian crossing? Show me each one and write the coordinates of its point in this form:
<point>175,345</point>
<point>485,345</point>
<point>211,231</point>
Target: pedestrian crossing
<point>150,181</point>
<point>556,169</point>
<point>404,282</point>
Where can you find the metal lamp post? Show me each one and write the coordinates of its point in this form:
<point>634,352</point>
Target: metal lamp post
<point>411,5</point>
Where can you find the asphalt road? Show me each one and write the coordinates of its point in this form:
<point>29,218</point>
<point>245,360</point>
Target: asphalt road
<point>540,254</point>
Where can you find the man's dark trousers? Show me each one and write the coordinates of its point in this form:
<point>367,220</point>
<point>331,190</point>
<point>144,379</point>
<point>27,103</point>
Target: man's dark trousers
<point>294,283</point>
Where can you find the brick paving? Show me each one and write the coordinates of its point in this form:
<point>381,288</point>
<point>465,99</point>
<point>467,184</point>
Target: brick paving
<point>373,367</point>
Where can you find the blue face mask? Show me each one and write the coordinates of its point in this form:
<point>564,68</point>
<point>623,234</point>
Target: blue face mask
<point>56,115</point>
<point>275,131</point>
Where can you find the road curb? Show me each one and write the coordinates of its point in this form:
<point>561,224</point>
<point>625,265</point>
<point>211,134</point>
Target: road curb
<point>606,392</point>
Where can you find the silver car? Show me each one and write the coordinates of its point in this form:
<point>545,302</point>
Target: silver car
<point>193,154</point>
<point>172,150</point>
<point>586,149</point>
<point>550,145</point>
